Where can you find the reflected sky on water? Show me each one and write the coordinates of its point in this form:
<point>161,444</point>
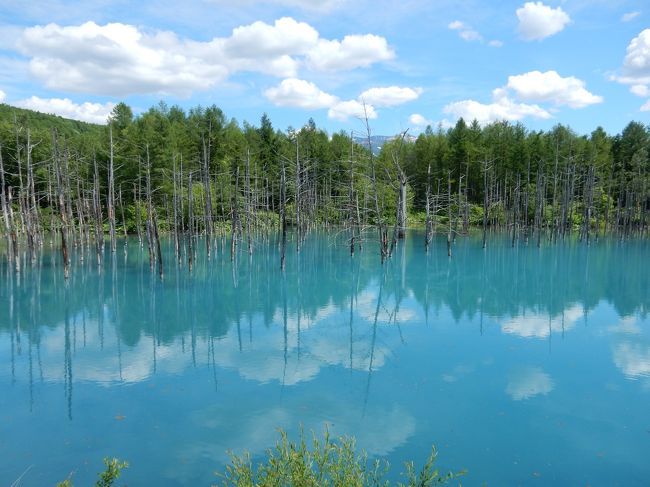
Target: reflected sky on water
<point>523,365</point>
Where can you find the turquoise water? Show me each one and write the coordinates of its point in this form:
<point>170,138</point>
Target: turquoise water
<point>525,366</point>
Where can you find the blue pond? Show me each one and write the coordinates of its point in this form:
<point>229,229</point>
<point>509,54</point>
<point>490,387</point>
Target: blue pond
<point>525,365</point>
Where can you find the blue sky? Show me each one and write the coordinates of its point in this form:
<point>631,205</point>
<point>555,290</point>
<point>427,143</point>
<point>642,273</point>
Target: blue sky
<point>582,63</point>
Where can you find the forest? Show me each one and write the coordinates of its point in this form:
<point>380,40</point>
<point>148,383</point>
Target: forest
<point>198,173</point>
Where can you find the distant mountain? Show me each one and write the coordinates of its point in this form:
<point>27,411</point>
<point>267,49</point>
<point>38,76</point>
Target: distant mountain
<point>378,141</point>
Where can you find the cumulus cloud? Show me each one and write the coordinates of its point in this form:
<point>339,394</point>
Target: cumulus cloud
<point>529,382</point>
<point>390,96</point>
<point>354,51</point>
<point>259,39</point>
<point>636,67</point>
<point>293,92</point>
<point>86,112</point>
<point>630,16</point>
<point>419,120</point>
<point>352,108</point>
<point>299,93</point>
<point>538,21</point>
<point>3,95</point>
<point>465,31</point>
<point>534,86</point>
<point>645,107</point>
<point>550,87</point>
<point>121,59</point>
<point>501,108</point>
<point>495,43</point>
<point>117,59</point>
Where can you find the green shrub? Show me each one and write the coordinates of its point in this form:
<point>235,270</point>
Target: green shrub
<point>326,462</point>
<point>106,478</point>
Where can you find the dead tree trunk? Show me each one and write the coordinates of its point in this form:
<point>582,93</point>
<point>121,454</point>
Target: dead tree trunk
<point>283,217</point>
<point>10,232</point>
<point>428,227</point>
<point>449,233</point>
<point>110,197</point>
<point>99,222</point>
<point>62,209</point>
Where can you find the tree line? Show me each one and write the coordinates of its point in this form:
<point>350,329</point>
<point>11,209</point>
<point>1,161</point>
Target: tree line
<point>198,173</point>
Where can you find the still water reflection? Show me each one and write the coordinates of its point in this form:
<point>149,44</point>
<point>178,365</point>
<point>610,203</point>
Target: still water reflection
<point>523,365</point>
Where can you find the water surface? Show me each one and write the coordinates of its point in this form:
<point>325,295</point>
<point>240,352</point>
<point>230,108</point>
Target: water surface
<point>525,366</point>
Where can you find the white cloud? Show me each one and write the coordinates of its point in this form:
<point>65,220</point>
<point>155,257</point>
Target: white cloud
<point>469,34</point>
<point>86,112</point>
<point>645,107</point>
<point>534,86</point>
<point>501,108</point>
<point>640,90</point>
<point>390,96</point>
<point>299,93</point>
<point>419,120</point>
<point>259,39</point>
<point>550,87</point>
<point>352,108</point>
<point>117,59</point>
<point>3,95</point>
<point>538,21</point>
<point>293,92</point>
<point>630,16</point>
<point>636,67</point>
<point>636,64</point>
<point>529,382</point>
<point>465,31</point>
<point>354,51</point>
<point>120,59</point>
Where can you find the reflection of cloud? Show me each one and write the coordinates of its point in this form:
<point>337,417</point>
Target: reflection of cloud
<point>457,373</point>
<point>299,354</point>
<point>633,359</point>
<point>389,311</point>
<point>254,428</point>
<point>103,360</point>
<point>627,326</point>
<point>257,352</point>
<point>541,325</point>
<point>528,382</point>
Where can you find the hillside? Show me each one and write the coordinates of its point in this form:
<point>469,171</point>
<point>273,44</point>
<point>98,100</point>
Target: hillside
<point>45,121</point>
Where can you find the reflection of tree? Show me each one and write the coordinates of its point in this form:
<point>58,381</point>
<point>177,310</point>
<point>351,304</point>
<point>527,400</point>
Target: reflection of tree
<point>501,282</point>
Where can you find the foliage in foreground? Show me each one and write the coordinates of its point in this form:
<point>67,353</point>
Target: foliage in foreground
<point>324,463</point>
<point>327,462</point>
<point>106,478</point>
